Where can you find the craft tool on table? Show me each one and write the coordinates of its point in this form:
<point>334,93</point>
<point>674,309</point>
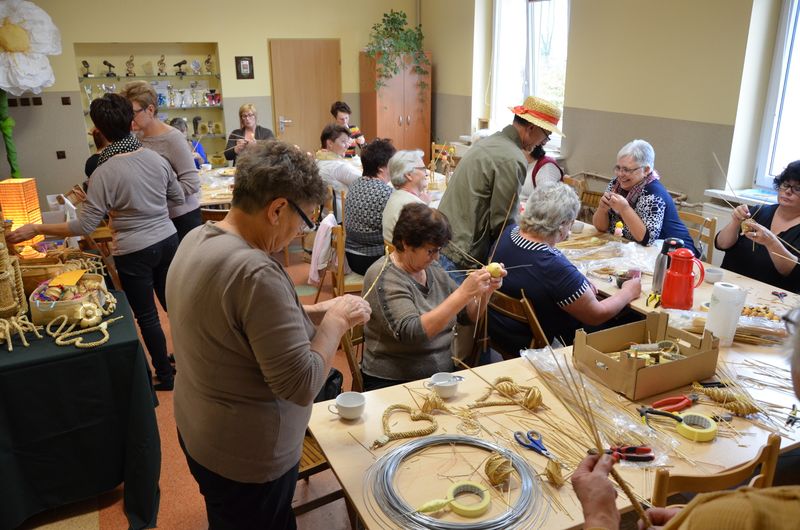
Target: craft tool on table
<point>791,420</point>
<point>780,295</point>
<point>533,441</point>
<point>692,426</point>
<point>676,403</point>
<point>632,453</point>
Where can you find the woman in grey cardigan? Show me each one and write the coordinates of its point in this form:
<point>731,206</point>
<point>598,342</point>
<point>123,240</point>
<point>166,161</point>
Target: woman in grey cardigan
<point>415,304</point>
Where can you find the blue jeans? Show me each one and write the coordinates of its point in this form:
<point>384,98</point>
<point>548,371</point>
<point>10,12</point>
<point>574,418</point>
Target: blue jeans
<point>448,265</point>
<point>141,273</point>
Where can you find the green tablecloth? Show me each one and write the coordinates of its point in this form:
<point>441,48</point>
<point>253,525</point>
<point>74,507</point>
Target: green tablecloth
<point>75,423</point>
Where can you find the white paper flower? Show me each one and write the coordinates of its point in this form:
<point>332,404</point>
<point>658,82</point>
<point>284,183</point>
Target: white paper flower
<point>27,37</point>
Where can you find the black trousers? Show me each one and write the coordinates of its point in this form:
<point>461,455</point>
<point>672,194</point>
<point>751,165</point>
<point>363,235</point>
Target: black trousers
<point>374,383</point>
<point>233,505</point>
<point>359,264</point>
<point>141,273</point>
<point>187,222</point>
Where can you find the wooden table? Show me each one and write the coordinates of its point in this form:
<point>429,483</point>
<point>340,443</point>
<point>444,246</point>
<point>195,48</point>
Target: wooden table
<point>345,443</point>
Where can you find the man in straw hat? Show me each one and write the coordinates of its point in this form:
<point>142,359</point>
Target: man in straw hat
<point>487,181</point>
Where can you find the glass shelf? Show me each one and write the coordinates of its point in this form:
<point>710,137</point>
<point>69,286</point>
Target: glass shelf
<point>99,77</point>
<point>166,109</point>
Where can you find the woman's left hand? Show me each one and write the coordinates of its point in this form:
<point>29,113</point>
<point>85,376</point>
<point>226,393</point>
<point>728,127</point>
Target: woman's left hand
<point>23,233</point>
<point>761,234</point>
<point>617,202</point>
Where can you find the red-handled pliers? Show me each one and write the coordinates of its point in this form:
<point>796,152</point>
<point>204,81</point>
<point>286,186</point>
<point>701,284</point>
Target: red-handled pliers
<point>632,453</point>
<point>676,403</point>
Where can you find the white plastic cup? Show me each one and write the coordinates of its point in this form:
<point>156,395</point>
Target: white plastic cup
<point>349,405</point>
<point>205,167</point>
<point>727,301</point>
<point>443,383</point>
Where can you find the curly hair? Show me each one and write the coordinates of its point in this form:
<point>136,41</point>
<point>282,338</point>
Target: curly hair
<point>268,170</point>
<point>548,208</point>
<point>419,224</point>
<point>792,172</point>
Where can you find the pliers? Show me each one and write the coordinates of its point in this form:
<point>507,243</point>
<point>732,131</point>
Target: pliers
<point>632,453</point>
<point>653,300</point>
<point>792,418</point>
<point>676,403</point>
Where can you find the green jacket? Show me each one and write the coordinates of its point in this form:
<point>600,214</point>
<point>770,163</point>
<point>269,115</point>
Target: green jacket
<point>478,195</point>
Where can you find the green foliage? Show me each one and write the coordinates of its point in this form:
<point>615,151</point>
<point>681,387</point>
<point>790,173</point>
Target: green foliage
<point>391,40</point>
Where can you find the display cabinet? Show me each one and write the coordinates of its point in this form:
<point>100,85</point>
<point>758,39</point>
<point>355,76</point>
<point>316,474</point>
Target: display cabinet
<point>191,90</point>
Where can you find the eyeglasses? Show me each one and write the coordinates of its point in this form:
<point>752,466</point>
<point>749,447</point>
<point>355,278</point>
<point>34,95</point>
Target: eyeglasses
<point>247,115</point>
<point>546,135</point>
<point>137,111</point>
<point>423,169</point>
<point>785,186</point>
<point>433,251</point>
<point>301,213</point>
<point>626,170</point>
<point>791,319</point>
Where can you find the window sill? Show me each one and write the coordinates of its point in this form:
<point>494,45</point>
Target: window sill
<point>750,196</point>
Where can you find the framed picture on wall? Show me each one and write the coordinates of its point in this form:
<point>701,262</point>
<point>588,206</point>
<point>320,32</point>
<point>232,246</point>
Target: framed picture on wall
<point>244,67</point>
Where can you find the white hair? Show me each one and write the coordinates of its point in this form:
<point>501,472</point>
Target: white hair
<point>549,208</point>
<point>401,164</point>
<point>641,151</point>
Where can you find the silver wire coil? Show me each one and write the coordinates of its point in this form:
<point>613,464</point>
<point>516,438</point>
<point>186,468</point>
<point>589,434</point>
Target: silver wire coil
<point>528,508</point>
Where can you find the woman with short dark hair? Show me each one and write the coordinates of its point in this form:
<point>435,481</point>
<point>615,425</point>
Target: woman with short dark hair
<point>131,185</point>
<point>333,168</point>
<point>250,358</point>
<point>341,114</point>
<point>415,304</point>
<point>751,240</point>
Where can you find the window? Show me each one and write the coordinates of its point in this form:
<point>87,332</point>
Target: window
<point>529,55</point>
<point>781,129</point>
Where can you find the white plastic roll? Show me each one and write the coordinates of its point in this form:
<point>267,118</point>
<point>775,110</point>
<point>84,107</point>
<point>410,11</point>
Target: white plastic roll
<point>727,301</point>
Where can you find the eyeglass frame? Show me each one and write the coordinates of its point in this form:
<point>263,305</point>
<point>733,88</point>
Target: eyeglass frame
<point>309,223</point>
<point>547,134</point>
<point>791,320</point>
<point>433,251</point>
<point>785,186</point>
<point>626,170</point>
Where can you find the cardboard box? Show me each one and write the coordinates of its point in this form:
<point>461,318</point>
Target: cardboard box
<point>630,375</point>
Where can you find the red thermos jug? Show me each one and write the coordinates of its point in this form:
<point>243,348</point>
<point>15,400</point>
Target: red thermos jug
<point>679,284</point>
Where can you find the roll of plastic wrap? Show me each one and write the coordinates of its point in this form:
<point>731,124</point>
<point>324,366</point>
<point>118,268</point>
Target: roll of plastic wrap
<point>727,301</point>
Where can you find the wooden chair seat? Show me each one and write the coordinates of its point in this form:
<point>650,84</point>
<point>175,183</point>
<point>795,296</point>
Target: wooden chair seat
<point>353,279</point>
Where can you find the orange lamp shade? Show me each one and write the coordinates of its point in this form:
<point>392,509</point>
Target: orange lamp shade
<point>20,203</point>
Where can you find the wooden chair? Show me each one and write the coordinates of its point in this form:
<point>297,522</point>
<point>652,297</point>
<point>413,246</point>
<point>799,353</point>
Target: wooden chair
<point>213,214</point>
<point>522,311</point>
<point>704,234</point>
<point>340,282</point>
<point>666,484</point>
<point>578,184</point>
<point>353,346</point>
<point>443,158</point>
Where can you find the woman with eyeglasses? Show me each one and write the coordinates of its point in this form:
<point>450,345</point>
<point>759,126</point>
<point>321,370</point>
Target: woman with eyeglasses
<point>409,176</point>
<point>248,133</point>
<point>415,304</point>
<point>763,243</point>
<point>637,198</point>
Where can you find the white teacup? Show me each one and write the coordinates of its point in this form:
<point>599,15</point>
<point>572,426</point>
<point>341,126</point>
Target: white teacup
<point>205,167</point>
<point>349,405</point>
<point>443,383</point>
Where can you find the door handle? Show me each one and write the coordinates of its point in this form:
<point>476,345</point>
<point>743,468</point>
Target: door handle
<point>400,121</point>
<point>282,123</point>
<point>408,120</point>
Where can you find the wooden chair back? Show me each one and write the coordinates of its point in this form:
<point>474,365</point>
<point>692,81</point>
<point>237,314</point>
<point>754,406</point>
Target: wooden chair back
<point>578,184</point>
<point>212,214</point>
<point>353,346</point>
<point>666,484</point>
<point>520,310</point>
<point>343,283</point>
<point>702,229</point>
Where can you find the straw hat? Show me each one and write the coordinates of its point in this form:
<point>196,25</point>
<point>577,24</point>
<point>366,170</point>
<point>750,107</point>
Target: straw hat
<point>539,112</point>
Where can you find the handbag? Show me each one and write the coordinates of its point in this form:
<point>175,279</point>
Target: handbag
<point>332,387</point>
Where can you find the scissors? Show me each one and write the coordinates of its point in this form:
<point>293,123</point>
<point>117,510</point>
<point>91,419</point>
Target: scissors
<point>533,441</point>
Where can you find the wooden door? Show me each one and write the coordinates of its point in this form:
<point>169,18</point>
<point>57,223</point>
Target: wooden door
<point>306,77</point>
<point>417,109</point>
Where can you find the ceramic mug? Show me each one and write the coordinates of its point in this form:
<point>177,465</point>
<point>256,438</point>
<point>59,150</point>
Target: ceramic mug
<point>443,383</point>
<point>349,405</point>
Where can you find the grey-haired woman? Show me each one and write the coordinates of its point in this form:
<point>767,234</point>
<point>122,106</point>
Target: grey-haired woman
<point>563,298</point>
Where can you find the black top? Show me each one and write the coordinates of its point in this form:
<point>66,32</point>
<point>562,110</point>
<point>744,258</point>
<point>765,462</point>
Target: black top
<point>757,264</point>
<point>262,133</point>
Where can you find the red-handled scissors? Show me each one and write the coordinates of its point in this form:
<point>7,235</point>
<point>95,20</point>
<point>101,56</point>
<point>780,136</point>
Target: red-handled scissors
<point>676,403</point>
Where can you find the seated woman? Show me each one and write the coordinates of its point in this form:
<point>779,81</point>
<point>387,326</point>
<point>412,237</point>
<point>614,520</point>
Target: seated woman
<point>773,260</point>
<point>543,170</point>
<point>639,200</point>
<point>409,176</point>
<point>563,298</point>
<point>248,133</point>
<point>415,304</point>
<point>364,206</point>
<point>341,114</point>
<point>333,168</point>
<point>198,153</point>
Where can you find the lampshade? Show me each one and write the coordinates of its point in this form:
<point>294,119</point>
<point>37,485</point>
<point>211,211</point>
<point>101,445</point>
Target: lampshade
<point>20,204</point>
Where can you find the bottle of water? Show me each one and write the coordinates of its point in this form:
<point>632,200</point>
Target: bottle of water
<point>662,261</point>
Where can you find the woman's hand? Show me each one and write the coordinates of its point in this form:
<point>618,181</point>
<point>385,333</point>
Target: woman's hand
<point>633,288</point>
<point>740,213</point>
<point>617,202</point>
<point>241,143</point>
<point>659,516</point>
<point>595,491</point>
<point>351,310</point>
<point>23,233</point>
<point>761,234</point>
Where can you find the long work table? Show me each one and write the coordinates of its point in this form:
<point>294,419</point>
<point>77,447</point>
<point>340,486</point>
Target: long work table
<point>427,475</point>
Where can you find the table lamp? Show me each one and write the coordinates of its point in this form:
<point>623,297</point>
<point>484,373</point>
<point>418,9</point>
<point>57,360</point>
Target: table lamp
<point>20,203</point>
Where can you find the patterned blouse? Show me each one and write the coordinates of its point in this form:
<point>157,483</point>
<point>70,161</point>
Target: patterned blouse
<point>363,216</point>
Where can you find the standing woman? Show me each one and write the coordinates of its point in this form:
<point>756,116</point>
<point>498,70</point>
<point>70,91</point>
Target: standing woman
<point>771,261</point>
<point>171,144</point>
<point>248,134</point>
<point>131,185</point>
<point>637,198</point>
<point>251,357</point>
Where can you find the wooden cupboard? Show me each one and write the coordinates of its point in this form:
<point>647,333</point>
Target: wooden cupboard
<point>400,110</point>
